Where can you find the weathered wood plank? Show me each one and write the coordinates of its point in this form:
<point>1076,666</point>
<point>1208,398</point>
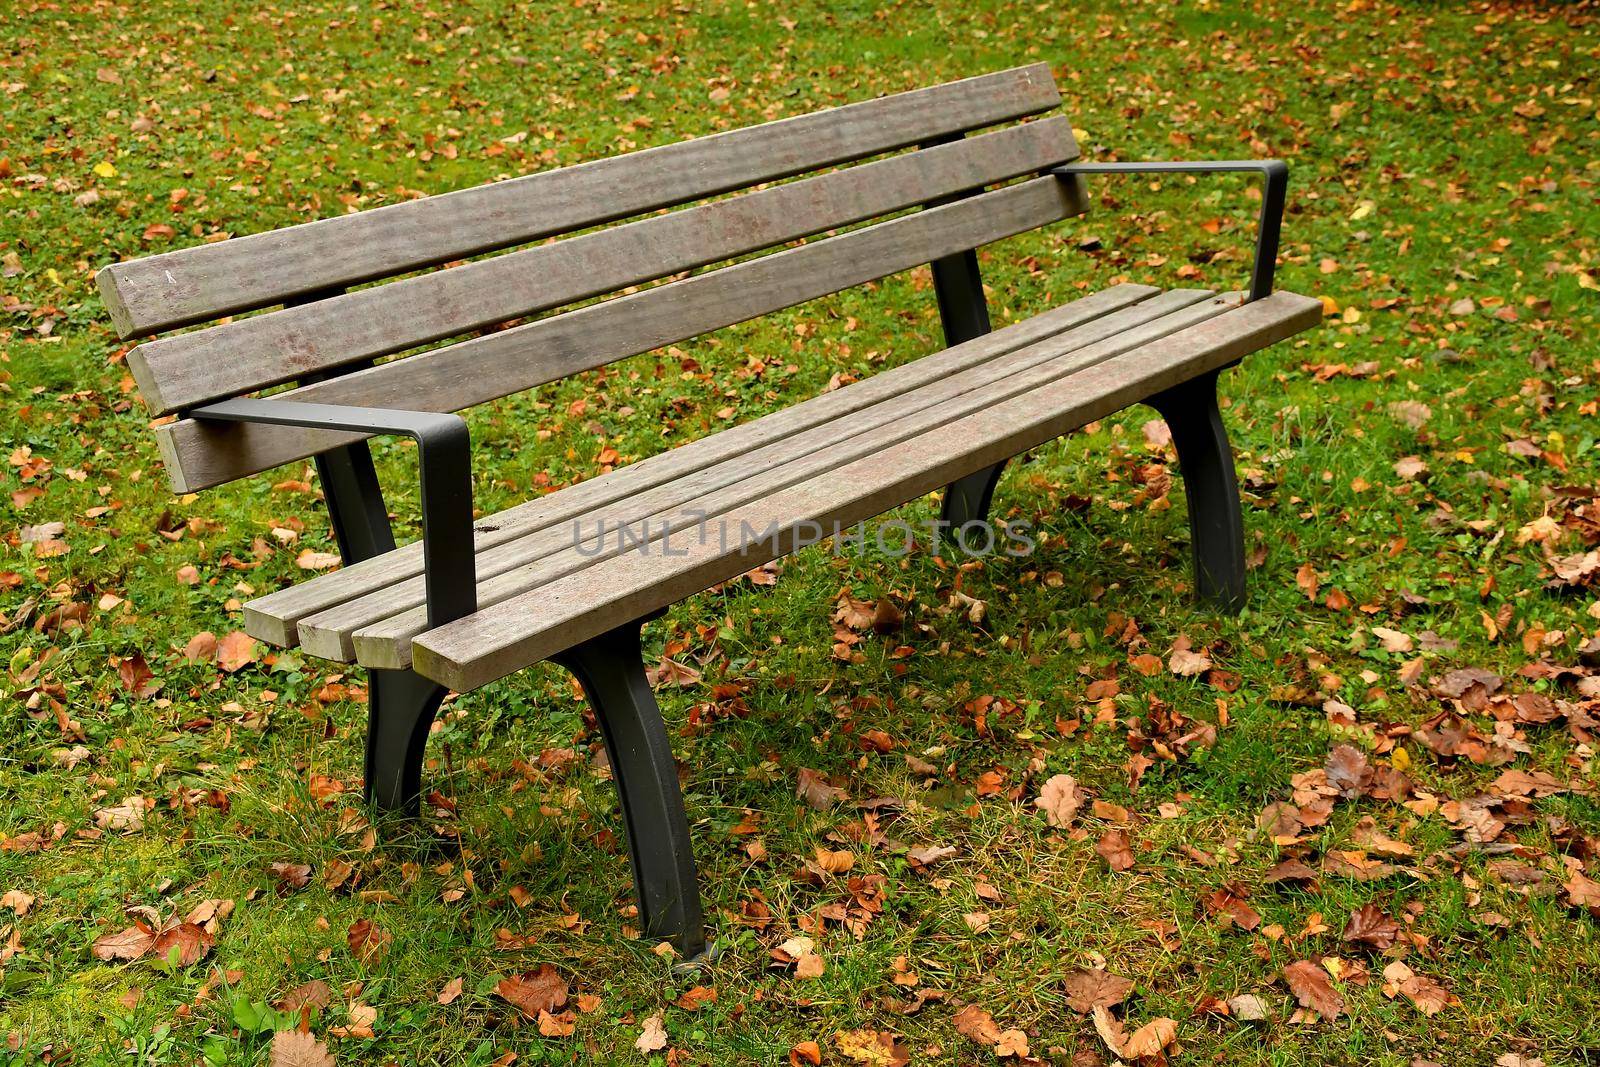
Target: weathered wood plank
<point>194,284</point>
<point>476,650</point>
<point>679,510</point>
<point>273,617</point>
<point>722,486</point>
<point>247,354</point>
<point>200,455</point>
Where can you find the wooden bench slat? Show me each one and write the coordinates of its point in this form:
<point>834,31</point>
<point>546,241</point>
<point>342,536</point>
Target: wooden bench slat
<point>490,644</point>
<point>551,554</point>
<point>508,568</point>
<point>195,284</point>
<point>274,617</point>
<point>484,368</point>
<point>264,350</point>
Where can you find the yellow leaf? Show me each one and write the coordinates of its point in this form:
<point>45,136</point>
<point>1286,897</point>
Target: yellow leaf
<point>1363,209</point>
<point>105,170</point>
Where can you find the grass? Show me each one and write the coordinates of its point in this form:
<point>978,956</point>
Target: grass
<point>1440,154</point>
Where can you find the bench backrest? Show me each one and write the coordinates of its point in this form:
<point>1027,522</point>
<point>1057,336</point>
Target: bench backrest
<point>326,337</point>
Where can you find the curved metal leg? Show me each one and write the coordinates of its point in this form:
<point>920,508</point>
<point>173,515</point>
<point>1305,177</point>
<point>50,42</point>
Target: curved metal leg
<point>400,710</point>
<point>1216,524</point>
<point>611,670</point>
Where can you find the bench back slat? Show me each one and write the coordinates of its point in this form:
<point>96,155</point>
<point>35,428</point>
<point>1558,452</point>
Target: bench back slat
<point>196,284</point>
<point>199,455</point>
<point>226,360</point>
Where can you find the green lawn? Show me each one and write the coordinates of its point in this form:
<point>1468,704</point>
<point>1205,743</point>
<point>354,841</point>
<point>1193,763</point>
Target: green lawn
<point>1412,469</point>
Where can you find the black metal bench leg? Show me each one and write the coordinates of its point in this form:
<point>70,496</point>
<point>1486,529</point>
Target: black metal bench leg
<point>611,670</point>
<point>1216,524</point>
<point>400,704</point>
<point>967,499</point>
<point>400,710</point>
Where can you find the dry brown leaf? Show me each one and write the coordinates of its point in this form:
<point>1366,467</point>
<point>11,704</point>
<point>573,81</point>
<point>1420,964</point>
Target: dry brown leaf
<point>654,1036</point>
<point>296,1048</point>
<point>452,990</point>
<point>313,994</point>
<point>812,787</point>
<point>1151,1039</point>
<point>235,651</point>
<point>1011,1043</point>
<point>1116,850</point>
<point>1187,663</point>
<point>1313,989</point>
<point>367,942</point>
<point>1059,798</point>
<point>976,1024</point>
<point>1425,994</point>
<point>1368,925</point>
<point>1091,989</point>
<point>535,991</point>
<point>1583,891</point>
<point>129,944</point>
<point>182,945</point>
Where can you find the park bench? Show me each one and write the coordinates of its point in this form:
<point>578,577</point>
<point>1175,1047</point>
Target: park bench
<point>481,597</point>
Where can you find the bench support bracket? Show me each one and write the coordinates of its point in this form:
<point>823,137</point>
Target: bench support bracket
<point>1216,524</point>
<point>610,668</point>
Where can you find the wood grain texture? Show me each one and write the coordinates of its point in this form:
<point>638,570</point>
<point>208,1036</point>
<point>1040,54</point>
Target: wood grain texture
<point>200,455</point>
<point>274,617</point>
<point>192,285</point>
<point>680,510</point>
<point>296,342</point>
<point>492,643</point>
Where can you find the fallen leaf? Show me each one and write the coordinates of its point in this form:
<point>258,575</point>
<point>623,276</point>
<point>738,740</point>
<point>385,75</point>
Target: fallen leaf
<point>451,990</point>
<point>814,789</point>
<point>1312,988</point>
<point>1186,663</point>
<point>367,942</point>
<point>878,1048</point>
<point>976,1024</point>
<point>654,1036</point>
<point>1368,925</point>
<point>296,1048</point>
<point>313,994</point>
<point>1425,994</point>
<point>183,945</point>
<point>534,991</point>
<point>1116,850</point>
<point>1059,798</point>
<point>129,944</point>
<point>1091,989</point>
<point>235,651</point>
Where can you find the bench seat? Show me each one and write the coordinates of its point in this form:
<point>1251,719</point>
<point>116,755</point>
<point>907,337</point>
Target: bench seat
<point>834,460</point>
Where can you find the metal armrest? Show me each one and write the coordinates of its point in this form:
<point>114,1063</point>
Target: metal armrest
<point>1275,173</point>
<point>445,468</point>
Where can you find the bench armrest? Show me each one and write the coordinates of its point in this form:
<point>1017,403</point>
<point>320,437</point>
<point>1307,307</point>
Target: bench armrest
<point>445,467</point>
<point>1275,174</point>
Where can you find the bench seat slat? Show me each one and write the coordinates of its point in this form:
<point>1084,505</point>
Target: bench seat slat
<point>199,455</point>
<point>264,350</point>
<point>525,629</point>
<point>274,617</point>
<point>195,284</point>
<point>717,488</point>
<point>550,554</point>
